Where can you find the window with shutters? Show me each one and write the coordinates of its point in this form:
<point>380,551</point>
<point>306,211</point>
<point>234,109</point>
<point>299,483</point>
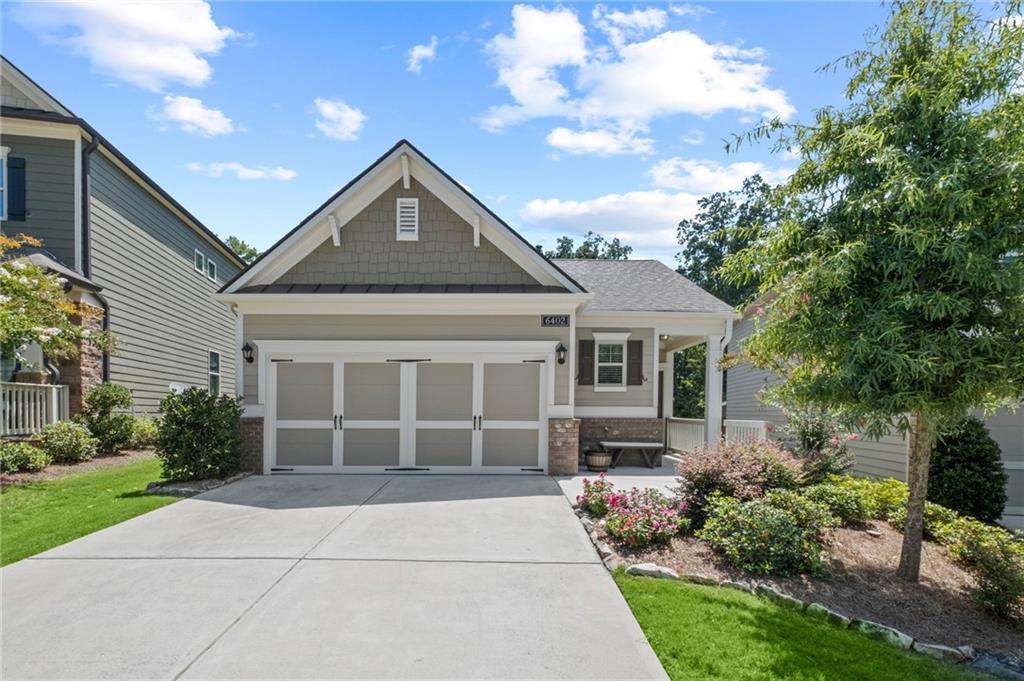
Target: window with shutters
<point>3,182</point>
<point>610,361</point>
<point>408,219</point>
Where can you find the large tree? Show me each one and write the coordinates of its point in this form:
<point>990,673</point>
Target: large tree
<point>593,247</point>
<point>243,250</point>
<point>896,268</point>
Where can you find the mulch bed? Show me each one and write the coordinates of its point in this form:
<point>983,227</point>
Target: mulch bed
<point>861,582</point>
<point>60,470</point>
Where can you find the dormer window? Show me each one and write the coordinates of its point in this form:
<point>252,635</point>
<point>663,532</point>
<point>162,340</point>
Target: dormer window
<point>408,219</point>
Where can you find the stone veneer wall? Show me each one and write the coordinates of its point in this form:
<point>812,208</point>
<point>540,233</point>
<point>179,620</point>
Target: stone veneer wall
<point>86,370</point>
<point>252,444</point>
<point>593,430</point>
<point>563,446</point>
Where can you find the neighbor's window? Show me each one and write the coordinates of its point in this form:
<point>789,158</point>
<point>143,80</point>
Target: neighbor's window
<point>3,182</point>
<point>199,261</point>
<point>610,358</point>
<point>214,373</point>
<point>211,270</point>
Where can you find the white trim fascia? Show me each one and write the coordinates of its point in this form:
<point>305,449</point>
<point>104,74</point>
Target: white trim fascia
<point>605,337</point>
<point>560,411</point>
<point>253,410</point>
<point>616,412</point>
<point>69,130</point>
<point>408,349</point>
<point>405,171</point>
<point>402,303</point>
<point>38,95</point>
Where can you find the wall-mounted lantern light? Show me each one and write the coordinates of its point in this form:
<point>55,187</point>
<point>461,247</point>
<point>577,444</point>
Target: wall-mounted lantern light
<point>247,353</point>
<point>560,353</point>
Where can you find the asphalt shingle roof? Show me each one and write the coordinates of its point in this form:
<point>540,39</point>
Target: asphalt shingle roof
<point>639,286</point>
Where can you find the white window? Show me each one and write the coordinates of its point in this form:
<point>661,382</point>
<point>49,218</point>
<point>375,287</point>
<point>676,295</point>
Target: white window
<point>3,182</point>
<point>610,360</point>
<point>199,261</point>
<point>211,270</point>
<point>214,373</point>
<point>408,219</point>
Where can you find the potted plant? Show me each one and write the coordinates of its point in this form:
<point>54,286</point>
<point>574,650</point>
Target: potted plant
<point>598,461</point>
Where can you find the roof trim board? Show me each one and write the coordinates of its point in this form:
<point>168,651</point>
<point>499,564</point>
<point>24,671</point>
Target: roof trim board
<point>32,89</point>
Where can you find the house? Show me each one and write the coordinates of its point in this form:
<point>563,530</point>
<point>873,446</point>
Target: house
<point>126,247</point>
<point>885,457</point>
<point>403,326</point>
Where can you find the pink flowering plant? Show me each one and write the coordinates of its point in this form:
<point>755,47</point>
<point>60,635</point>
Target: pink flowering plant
<point>596,494</point>
<point>645,516</point>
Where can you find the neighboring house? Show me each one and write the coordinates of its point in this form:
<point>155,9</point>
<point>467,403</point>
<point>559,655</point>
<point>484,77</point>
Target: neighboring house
<point>887,456</point>
<point>125,245</point>
<point>404,326</point>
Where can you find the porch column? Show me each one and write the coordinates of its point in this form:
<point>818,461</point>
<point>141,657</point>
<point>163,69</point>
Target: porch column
<point>713,390</point>
<point>669,397</point>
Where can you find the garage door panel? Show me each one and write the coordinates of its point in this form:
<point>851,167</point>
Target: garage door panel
<point>510,392</point>
<point>371,447</point>
<point>372,391</point>
<point>305,447</point>
<point>510,447</point>
<point>444,392</point>
<point>305,391</point>
<point>444,447</point>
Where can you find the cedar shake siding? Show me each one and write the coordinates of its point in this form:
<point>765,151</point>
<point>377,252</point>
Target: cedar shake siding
<point>160,308</point>
<point>49,193</point>
<point>443,254</point>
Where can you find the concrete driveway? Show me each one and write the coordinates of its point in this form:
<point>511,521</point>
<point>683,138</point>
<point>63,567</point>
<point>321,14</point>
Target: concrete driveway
<point>329,577</point>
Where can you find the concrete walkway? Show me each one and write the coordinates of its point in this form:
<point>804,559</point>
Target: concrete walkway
<point>662,478</point>
<point>329,577</point>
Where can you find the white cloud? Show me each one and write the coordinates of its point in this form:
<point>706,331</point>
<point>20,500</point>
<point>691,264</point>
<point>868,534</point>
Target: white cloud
<point>338,120</point>
<point>193,117</point>
<point>706,177</point>
<point>694,137</point>
<point>599,142</point>
<point>421,53</point>
<point>242,172</point>
<point>689,10</point>
<point>147,44</point>
<point>626,84</point>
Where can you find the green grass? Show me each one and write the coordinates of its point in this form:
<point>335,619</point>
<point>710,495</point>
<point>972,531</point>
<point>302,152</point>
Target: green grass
<point>703,632</point>
<point>39,516</point>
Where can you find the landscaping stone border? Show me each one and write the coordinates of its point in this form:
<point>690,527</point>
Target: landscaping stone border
<point>978,660</point>
<point>190,488</point>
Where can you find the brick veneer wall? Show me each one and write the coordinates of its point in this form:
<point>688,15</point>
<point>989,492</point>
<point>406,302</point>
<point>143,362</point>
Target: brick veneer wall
<point>252,444</point>
<point>86,370</point>
<point>563,446</point>
<point>593,430</point>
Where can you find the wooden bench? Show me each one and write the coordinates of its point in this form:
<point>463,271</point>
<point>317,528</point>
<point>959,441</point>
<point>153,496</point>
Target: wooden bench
<point>648,450</point>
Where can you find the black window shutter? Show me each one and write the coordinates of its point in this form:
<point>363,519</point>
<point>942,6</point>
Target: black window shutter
<point>635,362</point>
<point>586,362</point>
<point>15,189</point>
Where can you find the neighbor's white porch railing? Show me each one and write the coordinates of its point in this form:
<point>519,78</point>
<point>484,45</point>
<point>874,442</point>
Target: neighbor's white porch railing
<point>684,434</point>
<point>745,431</point>
<point>26,408</point>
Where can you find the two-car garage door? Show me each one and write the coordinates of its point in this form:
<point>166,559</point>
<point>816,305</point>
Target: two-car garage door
<point>348,414</point>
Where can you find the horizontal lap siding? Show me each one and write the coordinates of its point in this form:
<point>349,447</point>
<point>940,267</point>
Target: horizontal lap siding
<point>49,193</point>
<point>161,309</point>
<point>882,458</point>
<point>634,395</point>
<point>744,383</point>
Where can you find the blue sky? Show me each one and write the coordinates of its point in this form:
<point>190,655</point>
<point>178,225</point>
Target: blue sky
<point>562,118</point>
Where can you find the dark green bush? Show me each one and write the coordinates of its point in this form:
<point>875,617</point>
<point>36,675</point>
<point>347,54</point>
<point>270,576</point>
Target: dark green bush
<point>844,503</point>
<point>199,436</point>
<point>17,457</point>
<point>67,442</point>
<point>783,533</point>
<point>105,415</point>
<point>966,472</point>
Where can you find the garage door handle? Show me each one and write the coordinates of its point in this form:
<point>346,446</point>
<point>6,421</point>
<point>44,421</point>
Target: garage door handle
<point>335,421</point>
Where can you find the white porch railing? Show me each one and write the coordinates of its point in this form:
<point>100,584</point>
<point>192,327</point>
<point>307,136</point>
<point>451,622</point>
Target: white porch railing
<point>745,431</point>
<point>26,408</point>
<point>684,434</point>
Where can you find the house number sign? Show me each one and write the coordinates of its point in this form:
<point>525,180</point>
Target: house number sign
<point>554,320</point>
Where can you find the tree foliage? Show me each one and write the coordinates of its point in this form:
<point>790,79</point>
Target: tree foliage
<point>895,264</point>
<point>243,250</point>
<point>593,247</point>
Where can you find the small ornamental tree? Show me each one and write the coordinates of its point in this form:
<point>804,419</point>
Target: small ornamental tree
<point>896,263</point>
<point>34,308</point>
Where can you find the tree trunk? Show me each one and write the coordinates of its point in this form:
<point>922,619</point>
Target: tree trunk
<point>917,481</point>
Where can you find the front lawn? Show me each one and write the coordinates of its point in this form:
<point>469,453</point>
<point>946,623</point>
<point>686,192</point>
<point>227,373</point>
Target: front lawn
<point>703,632</point>
<point>39,516</point>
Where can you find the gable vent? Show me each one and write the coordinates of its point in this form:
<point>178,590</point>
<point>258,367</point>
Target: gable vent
<point>408,219</point>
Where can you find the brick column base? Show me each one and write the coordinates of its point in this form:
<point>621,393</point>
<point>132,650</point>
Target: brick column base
<point>86,369</point>
<point>252,444</point>
<point>563,446</point>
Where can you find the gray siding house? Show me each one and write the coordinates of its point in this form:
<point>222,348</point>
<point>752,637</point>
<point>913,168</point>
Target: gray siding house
<point>887,456</point>
<point>137,254</point>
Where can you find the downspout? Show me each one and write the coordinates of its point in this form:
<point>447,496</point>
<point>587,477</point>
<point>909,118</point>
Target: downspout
<point>86,153</point>
<point>106,327</point>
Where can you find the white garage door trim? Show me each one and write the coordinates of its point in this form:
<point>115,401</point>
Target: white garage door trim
<point>480,354</point>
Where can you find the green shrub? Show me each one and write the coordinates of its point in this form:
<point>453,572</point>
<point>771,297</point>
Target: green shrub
<point>880,497</point>
<point>936,519</point>
<point>144,432</point>
<point>846,504</point>
<point>783,533</point>
<point>67,442</point>
<point>820,442</point>
<point>995,557</point>
<point>17,457</point>
<point>112,429</point>
<point>744,470</point>
<point>198,436</point>
<point>966,472</point>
